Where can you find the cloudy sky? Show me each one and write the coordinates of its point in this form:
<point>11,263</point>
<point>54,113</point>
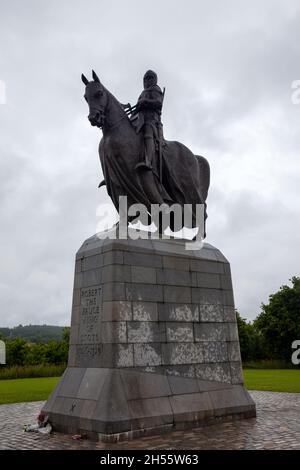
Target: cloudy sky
<point>228,69</point>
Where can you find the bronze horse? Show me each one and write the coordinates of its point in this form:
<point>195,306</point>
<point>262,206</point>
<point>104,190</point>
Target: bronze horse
<point>185,176</point>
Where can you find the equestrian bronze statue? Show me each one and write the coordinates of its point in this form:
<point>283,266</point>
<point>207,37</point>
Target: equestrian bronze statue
<point>136,160</point>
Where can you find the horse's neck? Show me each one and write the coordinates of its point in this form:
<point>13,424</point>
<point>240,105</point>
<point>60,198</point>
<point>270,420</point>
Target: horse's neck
<point>116,119</point>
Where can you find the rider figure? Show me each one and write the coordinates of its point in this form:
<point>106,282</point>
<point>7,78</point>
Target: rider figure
<point>149,108</point>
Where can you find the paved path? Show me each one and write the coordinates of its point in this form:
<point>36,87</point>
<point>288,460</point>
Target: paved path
<point>277,426</point>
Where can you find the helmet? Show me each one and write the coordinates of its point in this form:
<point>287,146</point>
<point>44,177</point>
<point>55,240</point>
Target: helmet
<point>150,76</point>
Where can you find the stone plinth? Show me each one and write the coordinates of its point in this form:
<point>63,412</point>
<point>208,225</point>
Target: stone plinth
<point>154,343</point>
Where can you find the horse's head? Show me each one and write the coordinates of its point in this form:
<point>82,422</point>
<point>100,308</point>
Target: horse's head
<point>96,97</point>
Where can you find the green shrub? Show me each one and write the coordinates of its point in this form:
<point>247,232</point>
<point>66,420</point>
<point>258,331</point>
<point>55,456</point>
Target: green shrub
<point>279,321</point>
<point>251,341</point>
<point>21,353</point>
<point>21,372</point>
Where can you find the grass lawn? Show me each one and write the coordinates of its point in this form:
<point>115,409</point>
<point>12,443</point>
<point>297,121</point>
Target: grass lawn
<point>276,380</point>
<point>273,380</point>
<point>18,390</point>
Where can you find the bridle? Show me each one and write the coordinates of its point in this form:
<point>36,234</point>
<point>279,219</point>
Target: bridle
<point>101,110</point>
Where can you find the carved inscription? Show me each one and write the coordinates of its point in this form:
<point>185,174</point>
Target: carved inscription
<point>89,350</point>
<point>90,319</point>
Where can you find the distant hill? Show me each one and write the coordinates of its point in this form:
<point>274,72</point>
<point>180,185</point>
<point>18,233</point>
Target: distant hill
<point>34,333</point>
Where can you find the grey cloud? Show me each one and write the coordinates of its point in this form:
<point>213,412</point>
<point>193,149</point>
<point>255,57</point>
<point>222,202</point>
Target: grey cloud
<point>227,67</point>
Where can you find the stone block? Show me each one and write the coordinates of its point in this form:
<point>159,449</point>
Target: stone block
<point>214,351</point>
<point>143,259</point>
<point>139,385</point>
<point>116,273</point>
<point>204,266</point>
<point>229,314</point>
<point>113,257</point>
<point>207,296</point>
<point>208,280</point>
<point>78,280</point>
<point>180,370</point>
<point>178,312</point>
<point>191,407</point>
<point>112,411</point>
<point>92,277</point>
<point>89,329</point>
<point>147,354</point>
<point>211,332</point>
<point>220,257</point>
<point>118,310</point>
<point>114,332</point>
<point>207,254</point>
<point>213,372</point>
<point>78,265</point>
<point>227,269</point>
<point>75,315</point>
<point>168,247</point>
<point>151,412</point>
<point>114,291</point>
<point>87,410</point>
<point>176,263</point>
<point>145,311</point>
<point>211,313</point>
<point>74,334</point>
<point>92,262</point>
<point>233,334</point>
<point>146,332</point>
<point>76,298</point>
<point>72,355</point>
<point>67,410</point>
<point>71,381</point>
<point>124,356</point>
<point>108,355</point>
<point>234,351</point>
<point>142,274</point>
<point>86,355</point>
<point>144,292</point>
<point>117,355</point>
<point>226,281</point>
<point>179,332</point>
<point>182,385</point>
<point>53,396</point>
<point>173,277</point>
<point>177,294</point>
<point>182,353</point>
<point>228,299</point>
<point>229,400</point>
<point>236,372</point>
<point>92,383</point>
<point>208,386</point>
<point>139,245</point>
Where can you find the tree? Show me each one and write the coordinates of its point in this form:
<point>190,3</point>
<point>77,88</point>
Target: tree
<point>251,342</point>
<point>56,352</point>
<point>279,321</point>
<point>36,353</point>
<point>16,352</point>
<point>66,334</point>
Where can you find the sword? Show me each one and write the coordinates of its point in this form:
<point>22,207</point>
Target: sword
<point>160,142</point>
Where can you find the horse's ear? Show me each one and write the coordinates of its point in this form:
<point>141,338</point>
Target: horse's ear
<point>95,76</point>
<point>84,79</point>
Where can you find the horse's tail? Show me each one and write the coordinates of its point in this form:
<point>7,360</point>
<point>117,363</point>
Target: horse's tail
<point>204,175</point>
